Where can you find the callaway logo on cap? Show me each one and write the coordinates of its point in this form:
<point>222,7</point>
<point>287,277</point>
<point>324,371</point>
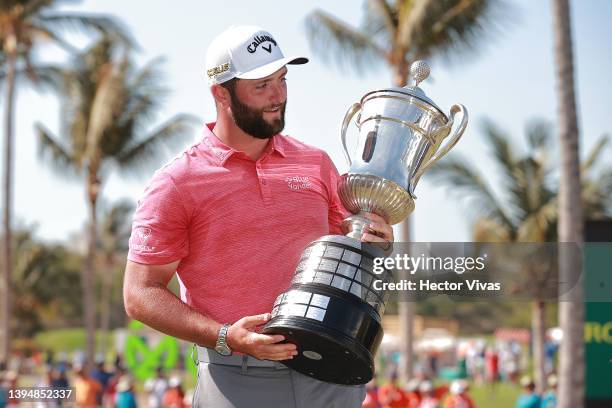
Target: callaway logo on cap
<point>245,52</point>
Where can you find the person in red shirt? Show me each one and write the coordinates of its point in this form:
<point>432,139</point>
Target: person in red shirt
<point>412,393</point>
<point>391,395</point>
<point>174,396</point>
<point>371,398</point>
<point>429,398</point>
<point>492,365</point>
<point>231,216</point>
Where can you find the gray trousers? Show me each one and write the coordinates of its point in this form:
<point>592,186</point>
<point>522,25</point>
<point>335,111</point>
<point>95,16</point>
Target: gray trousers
<point>229,386</point>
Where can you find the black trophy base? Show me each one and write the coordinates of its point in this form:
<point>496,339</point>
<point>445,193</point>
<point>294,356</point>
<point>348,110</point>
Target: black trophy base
<point>339,347</point>
<point>324,354</point>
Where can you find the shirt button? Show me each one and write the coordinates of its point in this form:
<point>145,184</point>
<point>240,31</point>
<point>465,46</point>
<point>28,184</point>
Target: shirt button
<point>263,182</point>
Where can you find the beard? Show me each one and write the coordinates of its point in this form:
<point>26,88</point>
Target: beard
<point>252,122</point>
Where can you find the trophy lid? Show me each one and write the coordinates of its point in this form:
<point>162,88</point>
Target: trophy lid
<point>419,71</point>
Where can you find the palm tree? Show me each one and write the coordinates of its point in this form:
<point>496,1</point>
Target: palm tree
<point>571,311</point>
<point>24,24</point>
<point>529,209</point>
<point>113,238</point>
<point>40,272</point>
<point>398,33</point>
<point>107,108</point>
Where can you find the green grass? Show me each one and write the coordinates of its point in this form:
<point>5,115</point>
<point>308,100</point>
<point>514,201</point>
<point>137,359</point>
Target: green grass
<point>502,395</point>
<point>68,340</point>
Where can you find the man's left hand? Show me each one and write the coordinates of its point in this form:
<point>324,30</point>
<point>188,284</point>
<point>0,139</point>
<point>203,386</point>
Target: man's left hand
<point>378,231</point>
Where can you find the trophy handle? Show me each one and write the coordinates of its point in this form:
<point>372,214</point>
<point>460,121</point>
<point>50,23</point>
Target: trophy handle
<point>456,108</point>
<point>347,120</point>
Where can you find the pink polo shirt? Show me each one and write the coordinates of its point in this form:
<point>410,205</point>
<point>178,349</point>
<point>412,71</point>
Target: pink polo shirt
<point>238,226</point>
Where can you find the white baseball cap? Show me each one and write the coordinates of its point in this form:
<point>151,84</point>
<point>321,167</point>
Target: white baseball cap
<point>246,52</point>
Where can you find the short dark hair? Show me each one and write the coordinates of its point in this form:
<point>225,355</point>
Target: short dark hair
<point>230,86</point>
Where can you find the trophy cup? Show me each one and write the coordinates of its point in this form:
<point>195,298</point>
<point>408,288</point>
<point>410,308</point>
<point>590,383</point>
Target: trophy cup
<point>332,310</point>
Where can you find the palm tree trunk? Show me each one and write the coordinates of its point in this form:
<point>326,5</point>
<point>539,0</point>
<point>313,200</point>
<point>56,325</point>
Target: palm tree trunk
<point>106,301</point>
<point>401,71</point>
<point>5,294</point>
<point>89,301</point>
<point>538,325</point>
<point>570,229</point>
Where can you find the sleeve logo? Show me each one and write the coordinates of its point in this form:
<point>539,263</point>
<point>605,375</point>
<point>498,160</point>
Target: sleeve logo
<point>140,238</point>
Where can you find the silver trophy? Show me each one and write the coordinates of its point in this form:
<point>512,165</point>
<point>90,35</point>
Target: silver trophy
<point>401,132</point>
<point>333,308</point>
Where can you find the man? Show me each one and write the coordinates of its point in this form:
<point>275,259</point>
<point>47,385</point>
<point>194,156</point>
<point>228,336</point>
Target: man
<point>391,395</point>
<point>459,397</point>
<point>549,399</point>
<point>86,389</point>
<point>529,398</point>
<point>231,216</point>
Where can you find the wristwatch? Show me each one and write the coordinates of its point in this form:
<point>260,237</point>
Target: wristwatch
<point>221,347</point>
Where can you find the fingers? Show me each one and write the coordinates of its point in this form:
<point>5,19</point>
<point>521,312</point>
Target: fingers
<point>279,357</point>
<point>379,227</point>
<point>272,354</point>
<point>375,217</point>
<point>249,322</point>
<point>379,232</point>
<point>242,338</point>
<point>268,339</point>
<point>261,348</point>
<point>367,237</point>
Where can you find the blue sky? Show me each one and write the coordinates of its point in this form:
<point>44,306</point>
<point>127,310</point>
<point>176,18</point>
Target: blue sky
<point>510,81</point>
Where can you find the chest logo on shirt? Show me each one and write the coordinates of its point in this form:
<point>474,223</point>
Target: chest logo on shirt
<point>298,183</point>
<point>140,239</point>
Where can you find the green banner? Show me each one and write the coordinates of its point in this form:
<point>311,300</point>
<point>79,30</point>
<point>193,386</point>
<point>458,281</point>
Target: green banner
<point>598,321</point>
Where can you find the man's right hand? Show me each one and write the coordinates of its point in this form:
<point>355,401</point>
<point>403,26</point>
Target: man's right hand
<point>242,338</point>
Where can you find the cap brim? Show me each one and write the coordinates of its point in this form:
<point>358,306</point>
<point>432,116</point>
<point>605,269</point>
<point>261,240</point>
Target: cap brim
<point>269,69</point>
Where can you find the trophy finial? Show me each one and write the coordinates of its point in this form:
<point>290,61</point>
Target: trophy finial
<point>419,70</point>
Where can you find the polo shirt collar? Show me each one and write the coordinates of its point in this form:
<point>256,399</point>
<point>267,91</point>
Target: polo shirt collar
<point>222,152</point>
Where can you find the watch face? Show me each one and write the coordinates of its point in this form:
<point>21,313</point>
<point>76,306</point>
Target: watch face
<point>223,350</point>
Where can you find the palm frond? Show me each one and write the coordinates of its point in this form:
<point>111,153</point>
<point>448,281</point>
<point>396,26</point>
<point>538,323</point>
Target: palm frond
<point>411,25</point>
<point>107,25</point>
<point>51,150</point>
<point>539,134</point>
<point>597,195</point>
<point>144,95</point>
<point>457,29</point>
<point>334,39</point>
<point>539,225</point>
<point>33,7</point>
<point>40,77</point>
<point>594,154</point>
<point>500,146</point>
<point>464,181</point>
<point>139,157</point>
<point>488,230</point>
<point>51,36</point>
<point>149,75</point>
<point>379,20</point>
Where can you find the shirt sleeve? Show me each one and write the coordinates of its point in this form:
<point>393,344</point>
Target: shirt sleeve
<point>160,232</point>
<point>337,212</point>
